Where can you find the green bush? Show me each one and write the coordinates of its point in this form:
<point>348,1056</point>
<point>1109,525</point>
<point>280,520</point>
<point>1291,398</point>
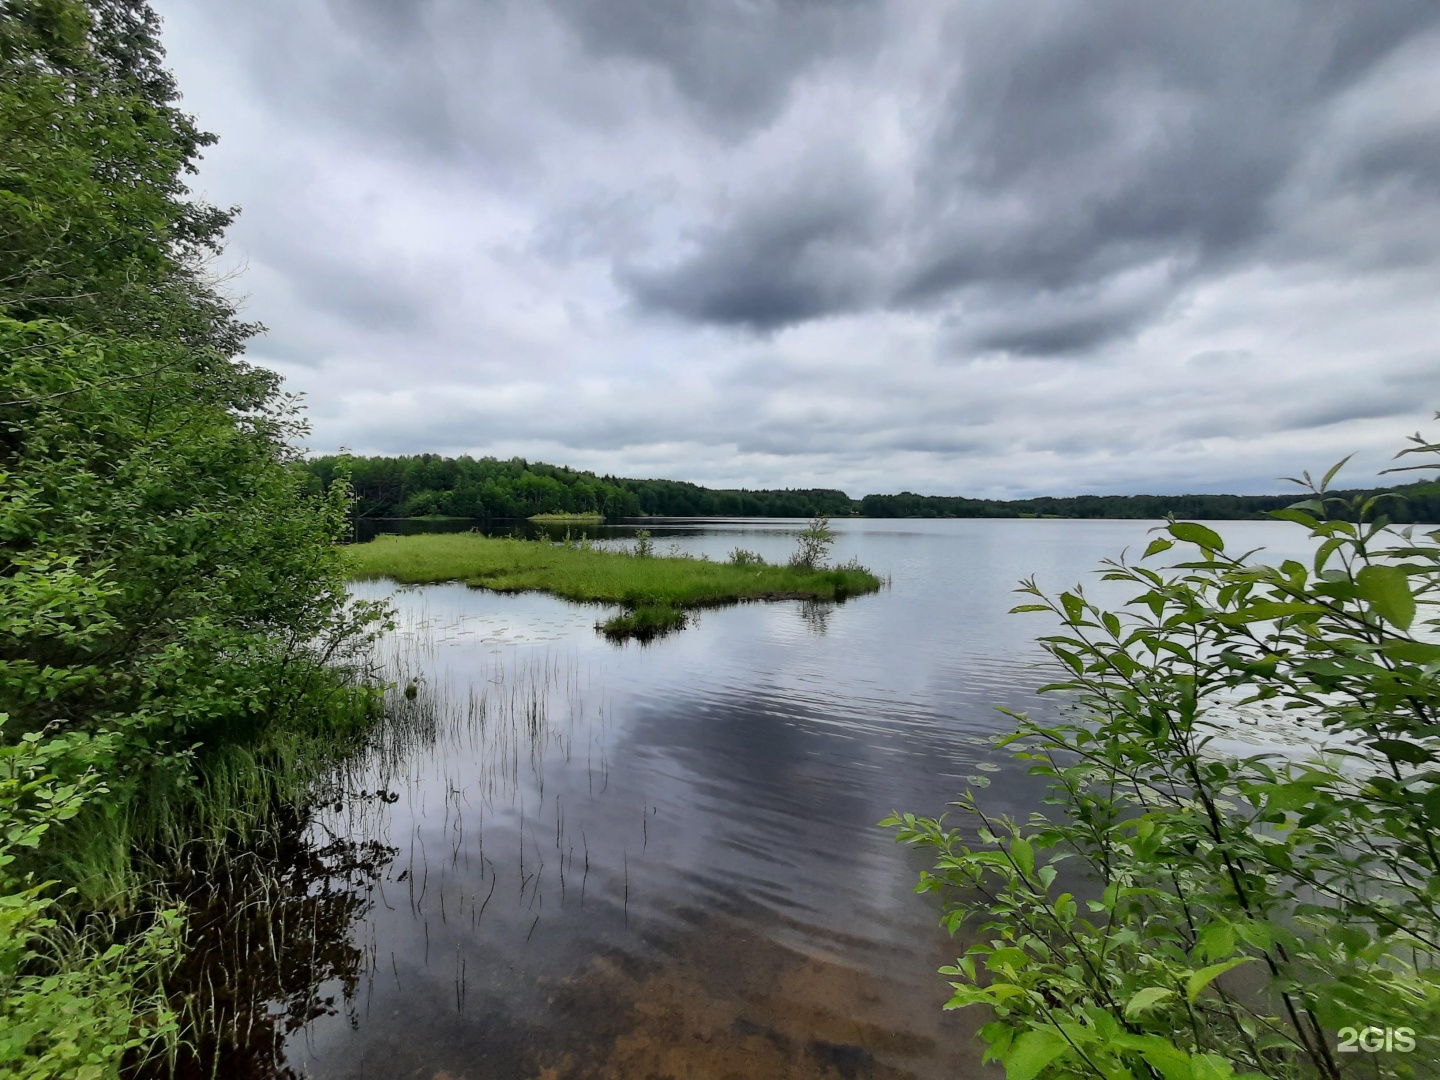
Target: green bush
<point>741,557</point>
<point>170,586</point>
<point>813,547</point>
<point>1272,914</point>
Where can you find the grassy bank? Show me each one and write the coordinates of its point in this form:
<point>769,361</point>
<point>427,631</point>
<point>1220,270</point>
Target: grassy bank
<point>567,519</point>
<point>655,590</point>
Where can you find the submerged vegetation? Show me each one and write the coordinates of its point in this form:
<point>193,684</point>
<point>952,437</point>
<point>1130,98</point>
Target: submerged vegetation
<point>1265,916</point>
<point>654,590</point>
<point>178,654</point>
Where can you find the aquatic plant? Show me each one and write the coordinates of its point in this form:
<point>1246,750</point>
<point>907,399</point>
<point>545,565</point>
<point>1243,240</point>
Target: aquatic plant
<point>645,622</point>
<point>1266,916</point>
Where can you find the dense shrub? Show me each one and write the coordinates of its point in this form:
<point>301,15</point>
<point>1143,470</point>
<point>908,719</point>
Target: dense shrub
<point>1272,914</point>
<point>169,584</point>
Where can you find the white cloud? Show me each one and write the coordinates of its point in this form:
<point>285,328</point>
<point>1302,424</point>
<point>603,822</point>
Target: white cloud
<point>878,246</point>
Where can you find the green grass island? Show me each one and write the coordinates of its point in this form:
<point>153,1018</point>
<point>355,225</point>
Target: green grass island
<point>655,591</point>
<point>568,519</point>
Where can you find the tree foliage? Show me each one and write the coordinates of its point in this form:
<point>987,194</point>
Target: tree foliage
<point>421,484</point>
<point>1269,915</point>
<point>1418,502</point>
<point>812,548</point>
<point>169,583</point>
<point>414,486</point>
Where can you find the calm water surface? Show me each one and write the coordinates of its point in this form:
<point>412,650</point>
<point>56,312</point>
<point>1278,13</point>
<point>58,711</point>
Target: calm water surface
<point>662,861</point>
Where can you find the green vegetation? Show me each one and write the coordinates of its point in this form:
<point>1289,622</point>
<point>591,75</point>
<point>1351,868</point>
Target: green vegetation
<point>675,498</point>
<point>644,623</point>
<point>430,485</point>
<point>655,590</point>
<point>814,547</point>
<point>1418,502</point>
<point>177,653</point>
<point>567,519</point>
<point>1221,916</point>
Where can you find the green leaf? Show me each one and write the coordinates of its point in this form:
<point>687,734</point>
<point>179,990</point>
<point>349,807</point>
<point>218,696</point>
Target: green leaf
<point>1032,1052</point>
<point>1206,975</point>
<point>1265,610</point>
<point>1400,750</point>
<point>1211,1067</point>
<point>1024,854</point>
<point>1216,941</point>
<point>1192,533</point>
<point>1325,550</point>
<point>1146,999</point>
<point>1412,652</point>
<point>1330,475</point>
<point>1008,957</point>
<point>1387,588</point>
<point>1161,1054</point>
<point>1298,516</point>
<point>1158,545</point>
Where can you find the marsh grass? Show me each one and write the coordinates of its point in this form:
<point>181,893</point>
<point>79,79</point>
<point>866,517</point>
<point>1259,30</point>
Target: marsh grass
<point>567,519</point>
<point>277,875</point>
<point>170,884</point>
<point>645,623</point>
<point>655,590</point>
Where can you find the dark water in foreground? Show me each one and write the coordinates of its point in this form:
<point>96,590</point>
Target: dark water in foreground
<point>662,861</point>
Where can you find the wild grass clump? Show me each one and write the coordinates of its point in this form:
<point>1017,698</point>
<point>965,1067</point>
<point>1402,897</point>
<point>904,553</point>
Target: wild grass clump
<point>644,623</point>
<point>639,582</point>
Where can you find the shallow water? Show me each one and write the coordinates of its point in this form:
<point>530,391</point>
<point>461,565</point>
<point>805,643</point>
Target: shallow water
<point>627,861</point>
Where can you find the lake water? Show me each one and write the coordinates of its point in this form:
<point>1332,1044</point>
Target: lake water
<point>663,861</point>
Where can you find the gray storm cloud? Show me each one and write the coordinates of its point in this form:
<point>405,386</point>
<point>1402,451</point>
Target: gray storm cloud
<point>878,245</point>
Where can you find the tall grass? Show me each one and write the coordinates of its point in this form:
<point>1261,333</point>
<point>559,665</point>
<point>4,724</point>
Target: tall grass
<point>276,866</point>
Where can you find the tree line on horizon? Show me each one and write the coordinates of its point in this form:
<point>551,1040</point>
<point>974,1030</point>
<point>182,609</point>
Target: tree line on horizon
<point>421,485</point>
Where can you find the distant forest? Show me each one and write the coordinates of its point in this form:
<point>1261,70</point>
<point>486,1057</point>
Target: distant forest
<point>427,484</point>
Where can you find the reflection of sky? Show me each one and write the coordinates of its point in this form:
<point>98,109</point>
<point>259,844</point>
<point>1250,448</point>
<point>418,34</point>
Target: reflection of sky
<point>737,766</point>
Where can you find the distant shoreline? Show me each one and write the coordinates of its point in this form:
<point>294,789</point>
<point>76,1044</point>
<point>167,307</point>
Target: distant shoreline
<point>430,487</point>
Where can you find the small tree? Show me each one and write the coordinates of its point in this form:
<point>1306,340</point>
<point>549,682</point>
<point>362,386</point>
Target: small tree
<point>814,547</point>
<point>1319,873</point>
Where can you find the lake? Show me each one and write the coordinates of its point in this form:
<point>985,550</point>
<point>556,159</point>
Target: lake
<point>599,860</point>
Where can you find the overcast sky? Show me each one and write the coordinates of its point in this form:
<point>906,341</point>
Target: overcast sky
<point>973,248</point>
